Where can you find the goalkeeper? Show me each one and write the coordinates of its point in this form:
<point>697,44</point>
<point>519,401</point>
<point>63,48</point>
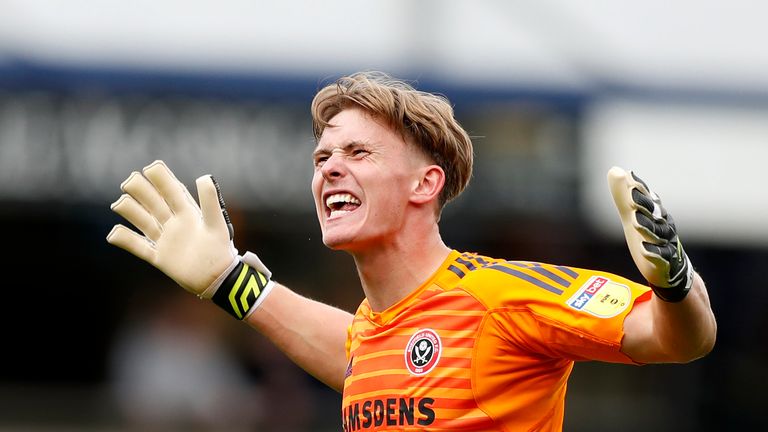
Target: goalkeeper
<point>444,340</point>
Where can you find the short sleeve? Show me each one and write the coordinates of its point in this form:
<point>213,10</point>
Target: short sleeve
<point>558,311</point>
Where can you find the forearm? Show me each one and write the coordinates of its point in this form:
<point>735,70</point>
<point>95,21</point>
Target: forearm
<point>662,332</point>
<point>310,333</point>
<point>686,330</point>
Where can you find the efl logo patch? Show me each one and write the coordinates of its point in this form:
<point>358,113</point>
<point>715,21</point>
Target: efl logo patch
<point>601,297</point>
<point>423,352</point>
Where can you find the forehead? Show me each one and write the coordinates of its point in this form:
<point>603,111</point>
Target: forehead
<point>354,125</point>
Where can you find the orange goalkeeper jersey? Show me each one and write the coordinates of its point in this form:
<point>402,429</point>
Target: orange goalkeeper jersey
<point>483,345</point>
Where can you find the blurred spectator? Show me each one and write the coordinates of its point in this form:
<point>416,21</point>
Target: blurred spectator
<point>172,369</point>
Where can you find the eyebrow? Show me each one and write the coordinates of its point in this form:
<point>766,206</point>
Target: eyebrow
<point>350,144</point>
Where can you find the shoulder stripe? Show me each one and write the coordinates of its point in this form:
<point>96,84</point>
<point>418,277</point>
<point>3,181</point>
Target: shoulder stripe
<point>526,277</point>
<point>542,271</point>
<point>567,270</point>
<point>466,263</point>
<point>481,261</point>
<point>456,270</point>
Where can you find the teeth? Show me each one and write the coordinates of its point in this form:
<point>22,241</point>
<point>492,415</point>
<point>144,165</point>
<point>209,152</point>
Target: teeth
<point>337,213</point>
<point>341,198</point>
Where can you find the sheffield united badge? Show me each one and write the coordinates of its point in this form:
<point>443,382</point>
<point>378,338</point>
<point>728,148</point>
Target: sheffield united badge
<point>423,352</point>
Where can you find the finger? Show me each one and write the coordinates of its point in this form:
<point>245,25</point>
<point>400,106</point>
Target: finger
<point>223,207</point>
<point>658,229</point>
<point>145,194</point>
<point>620,186</point>
<point>171,189</point>
<point>663,252</point>
<point>643,196</point>
<point>644,186</point>
<point>643,202</point>
<point>137,215</point>
<point>128,240</point>
<point>212,205</point>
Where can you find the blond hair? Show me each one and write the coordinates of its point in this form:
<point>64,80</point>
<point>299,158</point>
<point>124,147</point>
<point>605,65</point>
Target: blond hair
<point>425,118</point>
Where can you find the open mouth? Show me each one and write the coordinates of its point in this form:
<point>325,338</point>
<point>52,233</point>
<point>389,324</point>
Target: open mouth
<point>340,204</point>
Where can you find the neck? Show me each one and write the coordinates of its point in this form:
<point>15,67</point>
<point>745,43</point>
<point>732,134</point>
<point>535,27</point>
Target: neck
<point>390,272</point>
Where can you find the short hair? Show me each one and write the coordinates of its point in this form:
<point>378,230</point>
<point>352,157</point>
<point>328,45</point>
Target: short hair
<point>426,118</point>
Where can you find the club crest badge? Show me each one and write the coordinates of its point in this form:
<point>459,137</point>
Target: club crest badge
<point>423,352</point>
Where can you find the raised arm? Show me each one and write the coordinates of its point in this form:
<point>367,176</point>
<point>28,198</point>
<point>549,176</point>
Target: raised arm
<point>311,333</point>
<point>677,325</point>
<point>192,244</point>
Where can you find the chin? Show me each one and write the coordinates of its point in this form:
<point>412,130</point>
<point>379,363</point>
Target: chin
<point>346,243</point>
<point>332,245</point>
<point>335,242</point>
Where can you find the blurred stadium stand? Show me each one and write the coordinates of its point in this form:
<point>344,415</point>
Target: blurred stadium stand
<point>553,92</point>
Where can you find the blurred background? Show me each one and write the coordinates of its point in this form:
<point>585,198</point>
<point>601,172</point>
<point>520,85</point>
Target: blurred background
<point>554,92</point>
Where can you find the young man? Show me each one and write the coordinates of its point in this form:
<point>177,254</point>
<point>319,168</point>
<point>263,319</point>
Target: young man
<point>444,340</point>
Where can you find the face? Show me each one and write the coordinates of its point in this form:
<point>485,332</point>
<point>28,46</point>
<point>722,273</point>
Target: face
<point>364,175</point>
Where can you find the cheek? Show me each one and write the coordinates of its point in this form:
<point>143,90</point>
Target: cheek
<point>391,201</point>
<point>316,185</point>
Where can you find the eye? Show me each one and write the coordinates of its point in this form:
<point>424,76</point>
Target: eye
<point>320,160</point>
<point>359,152</point>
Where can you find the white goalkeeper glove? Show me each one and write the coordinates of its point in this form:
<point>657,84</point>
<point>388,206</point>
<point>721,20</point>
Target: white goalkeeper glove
<point>651,236</point>
<point>189,243</point>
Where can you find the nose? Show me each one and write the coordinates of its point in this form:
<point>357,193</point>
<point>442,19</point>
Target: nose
<point>333,168</point>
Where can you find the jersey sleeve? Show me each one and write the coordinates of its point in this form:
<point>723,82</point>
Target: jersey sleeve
<point>558,311</point>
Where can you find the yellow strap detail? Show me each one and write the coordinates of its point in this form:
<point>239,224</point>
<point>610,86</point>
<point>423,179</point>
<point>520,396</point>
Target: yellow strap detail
<point>252,286</point>
<point>234,289</point>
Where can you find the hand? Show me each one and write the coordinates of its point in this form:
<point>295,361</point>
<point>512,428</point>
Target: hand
<point>188,243</point>
<point>651,236</point>
<point>191,244</point>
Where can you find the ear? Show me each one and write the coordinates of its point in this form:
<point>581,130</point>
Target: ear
<point>429,185</point>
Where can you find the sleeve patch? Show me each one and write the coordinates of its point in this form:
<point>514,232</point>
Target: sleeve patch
<point>601,297</point>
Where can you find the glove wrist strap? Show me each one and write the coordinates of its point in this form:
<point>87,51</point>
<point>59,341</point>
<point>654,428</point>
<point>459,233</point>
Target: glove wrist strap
<point>670,295</point>
<point>242,287</point>
<point>677,293</point>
